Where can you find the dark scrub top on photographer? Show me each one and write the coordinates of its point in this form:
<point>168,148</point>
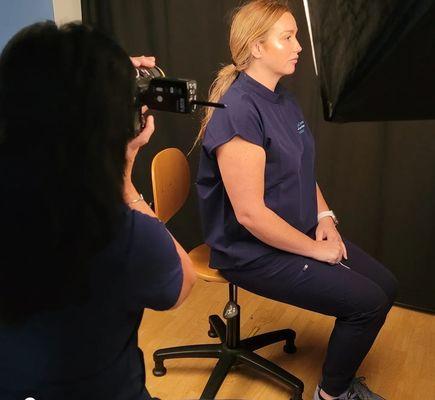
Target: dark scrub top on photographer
<point>90,351</point>
<point>273,121</point>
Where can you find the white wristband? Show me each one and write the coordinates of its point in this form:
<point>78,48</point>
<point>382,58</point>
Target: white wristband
<point>328,213</point>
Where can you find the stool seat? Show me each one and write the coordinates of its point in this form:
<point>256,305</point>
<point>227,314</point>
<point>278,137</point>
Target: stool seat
<point>200,257</point>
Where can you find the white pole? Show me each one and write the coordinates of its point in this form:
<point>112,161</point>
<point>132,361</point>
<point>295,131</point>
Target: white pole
<point>307,14</point>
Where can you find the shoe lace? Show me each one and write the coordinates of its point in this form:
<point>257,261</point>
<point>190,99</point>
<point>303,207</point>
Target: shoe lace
<point>360,389</point>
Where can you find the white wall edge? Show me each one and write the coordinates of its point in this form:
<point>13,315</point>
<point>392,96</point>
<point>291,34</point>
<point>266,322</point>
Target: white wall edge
<point>67,11</point>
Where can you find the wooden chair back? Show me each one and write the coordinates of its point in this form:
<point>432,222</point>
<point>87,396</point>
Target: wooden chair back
<point>170,177</point>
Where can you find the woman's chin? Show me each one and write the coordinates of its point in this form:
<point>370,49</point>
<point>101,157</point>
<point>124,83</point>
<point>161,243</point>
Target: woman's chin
<point>290,70</point>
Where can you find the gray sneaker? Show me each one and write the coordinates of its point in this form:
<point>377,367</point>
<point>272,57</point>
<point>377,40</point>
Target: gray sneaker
<point>358,390</point>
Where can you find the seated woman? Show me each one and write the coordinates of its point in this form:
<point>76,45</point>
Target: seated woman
<point>270,229</point>
<point>81,252</point>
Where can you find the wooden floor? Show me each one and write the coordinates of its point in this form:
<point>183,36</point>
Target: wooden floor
<point>401,364</point>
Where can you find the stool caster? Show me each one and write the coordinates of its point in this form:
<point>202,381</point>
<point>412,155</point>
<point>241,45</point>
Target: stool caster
<point>212,333</point>
<point>297,395</point>
<point>159,369</point>
<point>289,348</point>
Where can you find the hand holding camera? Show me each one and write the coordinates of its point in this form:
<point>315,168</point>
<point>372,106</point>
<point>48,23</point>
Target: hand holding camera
<point>158,92</point>
<point>143,61</point>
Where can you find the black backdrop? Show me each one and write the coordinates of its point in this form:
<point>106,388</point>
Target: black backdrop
<point>376,58</point>
<point>379,177</point>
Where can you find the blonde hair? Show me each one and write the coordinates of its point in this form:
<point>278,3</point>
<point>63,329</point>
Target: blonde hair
<point>250,23</point>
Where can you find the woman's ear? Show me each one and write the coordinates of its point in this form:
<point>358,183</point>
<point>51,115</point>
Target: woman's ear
<point>257,49</point>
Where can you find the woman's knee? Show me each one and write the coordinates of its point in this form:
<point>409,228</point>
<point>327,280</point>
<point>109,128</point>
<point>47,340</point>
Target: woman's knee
<point>369,302</point>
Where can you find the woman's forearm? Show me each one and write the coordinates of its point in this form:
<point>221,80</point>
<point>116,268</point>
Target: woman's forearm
<point>131,194</point>
<point>189,275</point>
<point>271,229</point>
<point>321,202</point>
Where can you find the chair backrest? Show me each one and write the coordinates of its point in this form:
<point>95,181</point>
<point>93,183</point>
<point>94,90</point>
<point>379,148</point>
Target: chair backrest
<point>170,178</point>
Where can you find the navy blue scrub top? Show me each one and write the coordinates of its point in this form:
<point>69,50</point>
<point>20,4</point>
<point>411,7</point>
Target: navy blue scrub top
<point>90,351</point>
<point>273,121</point>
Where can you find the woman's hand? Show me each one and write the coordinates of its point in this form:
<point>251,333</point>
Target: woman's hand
<point>135,144</point>
<point>328,251</point>
<point>143,61</point>
<point>140,140</point>
<point>144,136</point>
<point>327,231</point>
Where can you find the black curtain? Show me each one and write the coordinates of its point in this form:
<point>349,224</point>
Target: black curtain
<point>375,58</point>
<point>379,177</point>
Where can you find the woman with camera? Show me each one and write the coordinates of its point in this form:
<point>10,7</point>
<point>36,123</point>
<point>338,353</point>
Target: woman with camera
<point>81,253</point>
<point>264,216</point>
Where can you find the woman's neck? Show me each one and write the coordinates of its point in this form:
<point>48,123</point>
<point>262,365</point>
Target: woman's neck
<point>266,78</point>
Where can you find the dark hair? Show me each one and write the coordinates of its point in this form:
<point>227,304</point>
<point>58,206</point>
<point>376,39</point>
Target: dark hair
<point>66,116</point>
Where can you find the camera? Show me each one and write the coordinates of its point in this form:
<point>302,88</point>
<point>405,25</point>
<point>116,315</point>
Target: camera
<point>158,92</point>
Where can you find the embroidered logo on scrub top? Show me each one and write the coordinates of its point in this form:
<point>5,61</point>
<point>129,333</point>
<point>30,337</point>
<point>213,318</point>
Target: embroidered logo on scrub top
<point>301,127</point>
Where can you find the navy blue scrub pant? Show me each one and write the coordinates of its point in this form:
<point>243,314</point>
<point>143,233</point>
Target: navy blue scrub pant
<point>359,293</point>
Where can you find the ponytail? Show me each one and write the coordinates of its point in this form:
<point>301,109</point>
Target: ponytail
<point>225,77</point>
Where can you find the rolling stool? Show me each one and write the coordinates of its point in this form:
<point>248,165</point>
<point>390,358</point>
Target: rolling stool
<point>170,175</point>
